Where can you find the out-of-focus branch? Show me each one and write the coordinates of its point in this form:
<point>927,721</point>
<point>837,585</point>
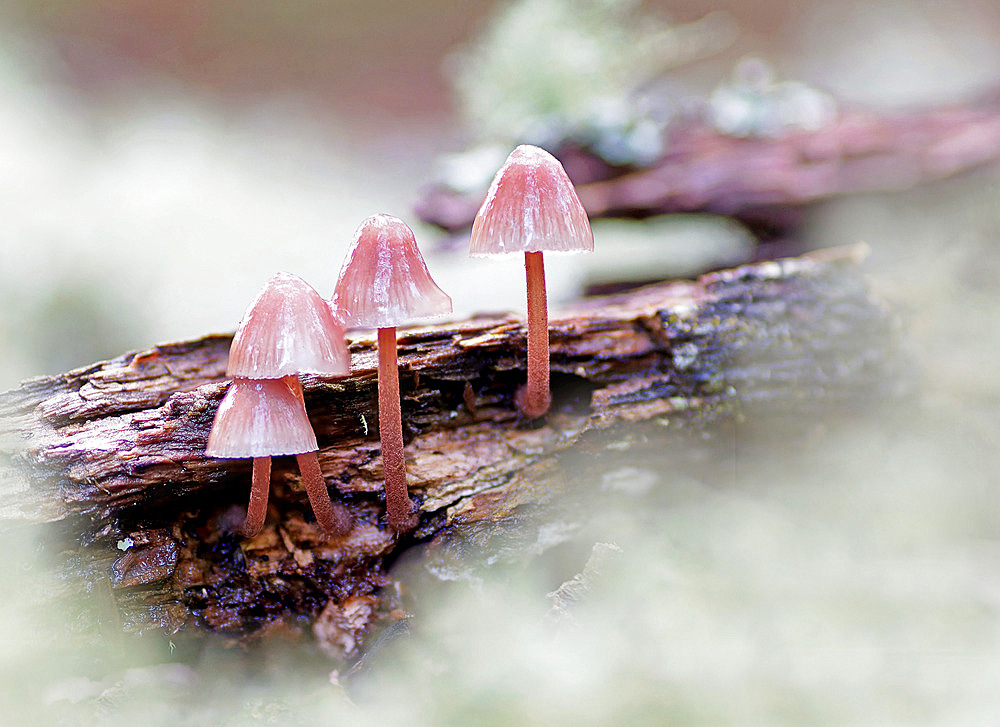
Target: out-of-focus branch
<point>763,180</point>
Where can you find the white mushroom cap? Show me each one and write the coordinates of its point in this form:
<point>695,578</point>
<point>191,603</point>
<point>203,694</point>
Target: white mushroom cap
<point>531,206</point>
<point>260,419</point>
<point>384,281</point>
<point>288,329</point>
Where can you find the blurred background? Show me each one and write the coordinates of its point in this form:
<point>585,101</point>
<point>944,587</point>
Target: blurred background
<point>159,161</point>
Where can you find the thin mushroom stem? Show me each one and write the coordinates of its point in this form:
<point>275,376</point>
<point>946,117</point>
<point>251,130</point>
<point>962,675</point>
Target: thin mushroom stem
<point>399,507</point>
<point>534,398</point>
<point>257,509</point>
<point>334,519</point>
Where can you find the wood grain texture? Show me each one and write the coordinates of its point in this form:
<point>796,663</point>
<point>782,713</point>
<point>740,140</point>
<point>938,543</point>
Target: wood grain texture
<point>116,450</point>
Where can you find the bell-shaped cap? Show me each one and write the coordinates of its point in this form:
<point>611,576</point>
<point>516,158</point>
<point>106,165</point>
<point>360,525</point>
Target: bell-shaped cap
<point>288,329</point>
<point>531,206</point>
<point>384,282</point>
<point>260,419</point>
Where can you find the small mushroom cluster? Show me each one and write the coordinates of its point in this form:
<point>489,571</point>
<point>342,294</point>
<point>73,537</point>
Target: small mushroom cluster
<point>288,330</point>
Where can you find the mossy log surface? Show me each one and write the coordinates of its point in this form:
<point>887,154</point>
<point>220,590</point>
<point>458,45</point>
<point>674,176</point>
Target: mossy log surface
<point>764,180</point>
<point>115,451</point>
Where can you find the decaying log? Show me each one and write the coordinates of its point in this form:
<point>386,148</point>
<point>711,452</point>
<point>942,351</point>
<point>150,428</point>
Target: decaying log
<point>116,450</point>
<point>763,181</point>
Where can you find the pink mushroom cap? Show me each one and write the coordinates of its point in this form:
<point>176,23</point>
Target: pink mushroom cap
<point>384,281</point>
<point>262,418</point>
<point>531,206</point>
<point>288,329</point>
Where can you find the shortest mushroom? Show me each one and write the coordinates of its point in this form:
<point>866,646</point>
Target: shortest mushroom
<point>260,419</point>
<point>383,284</point>
<point>287,330</point>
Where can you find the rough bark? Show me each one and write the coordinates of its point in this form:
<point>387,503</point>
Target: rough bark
<point>766,182</point>
<point>116,450</point>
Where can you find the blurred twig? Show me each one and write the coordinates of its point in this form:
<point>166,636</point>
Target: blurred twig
<point>763,181</point>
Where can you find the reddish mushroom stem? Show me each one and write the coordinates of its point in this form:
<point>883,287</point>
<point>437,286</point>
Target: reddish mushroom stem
<point>260,485</point>
<point>534,398</point>
<point>334,519</point>
<point>399,507</point>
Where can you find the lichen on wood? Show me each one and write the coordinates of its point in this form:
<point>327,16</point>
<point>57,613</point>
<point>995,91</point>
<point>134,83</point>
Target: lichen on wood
<point>115,451</point>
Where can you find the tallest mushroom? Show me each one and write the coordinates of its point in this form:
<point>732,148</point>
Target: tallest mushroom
<point>532,207</point>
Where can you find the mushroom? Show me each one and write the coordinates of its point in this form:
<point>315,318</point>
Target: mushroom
<point>532,207</point>
<point>288,329</point>
<point>265,418</point>
<point>384,283</point>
